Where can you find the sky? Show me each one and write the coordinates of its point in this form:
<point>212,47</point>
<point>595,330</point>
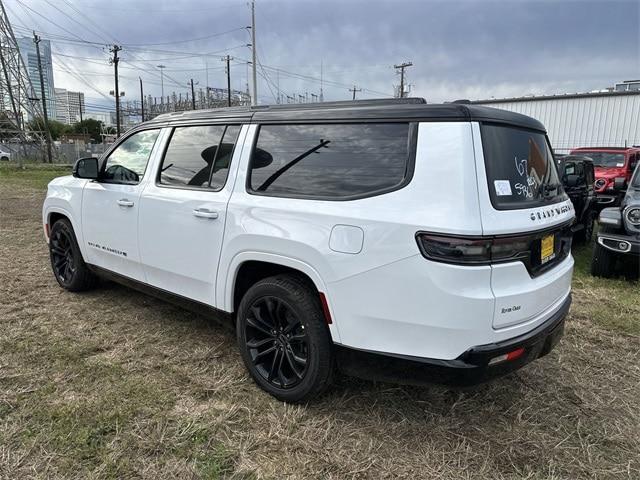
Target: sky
<point>472,49</point>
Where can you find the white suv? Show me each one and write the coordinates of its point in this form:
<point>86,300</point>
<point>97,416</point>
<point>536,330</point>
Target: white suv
<point>386,238</point>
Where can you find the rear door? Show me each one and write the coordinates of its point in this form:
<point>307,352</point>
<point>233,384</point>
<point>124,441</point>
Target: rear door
<point>184,208</point>
<point>110,206</point>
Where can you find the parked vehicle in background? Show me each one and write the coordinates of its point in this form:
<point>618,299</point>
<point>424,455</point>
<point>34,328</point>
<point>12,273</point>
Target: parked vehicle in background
<point>577,176</point>
<point>618,239</point>
<point>610,163</point>
<point>5,154</point>
<point>391,238</point>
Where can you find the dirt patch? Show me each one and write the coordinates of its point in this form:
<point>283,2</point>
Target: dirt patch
<point>112,383</point>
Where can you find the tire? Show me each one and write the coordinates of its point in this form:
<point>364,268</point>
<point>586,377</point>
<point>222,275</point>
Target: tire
<point>284,340</point>
<point>66,259</point>
<point>603,261</point>
<point>584,235</point>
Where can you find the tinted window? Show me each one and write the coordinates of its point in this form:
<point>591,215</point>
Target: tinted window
<point>329,161</point>
<point>223,158</point>
<point>194,152</point>
<point>128,162</point>
<point>520,167</point>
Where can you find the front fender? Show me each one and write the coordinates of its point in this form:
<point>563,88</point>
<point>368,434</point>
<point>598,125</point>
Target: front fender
<point>64,197</point>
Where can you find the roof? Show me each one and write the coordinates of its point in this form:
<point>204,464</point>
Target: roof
<point>595,149</point>
<point>562,96</point>
<point>405,109</point>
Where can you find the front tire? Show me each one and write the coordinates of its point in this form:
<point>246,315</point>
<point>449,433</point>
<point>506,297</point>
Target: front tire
<point>603,261</point>
<point>284,340</point>
<point>66,259</point>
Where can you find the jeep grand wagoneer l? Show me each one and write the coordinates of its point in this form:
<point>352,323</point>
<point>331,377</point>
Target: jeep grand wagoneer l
<point>391,235</point>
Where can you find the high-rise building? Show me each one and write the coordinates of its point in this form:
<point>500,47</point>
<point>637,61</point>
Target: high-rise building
<point>30,58</point>
<point>69,106</point>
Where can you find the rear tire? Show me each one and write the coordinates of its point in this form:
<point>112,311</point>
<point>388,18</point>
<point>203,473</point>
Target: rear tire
<point>66,259</point>
<point>284,340</point>
<point>584,235</point>
<point>603,261</point>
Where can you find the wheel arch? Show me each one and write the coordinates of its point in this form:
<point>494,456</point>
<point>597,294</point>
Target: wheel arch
<point>247,268</point>
<point>53,214</point>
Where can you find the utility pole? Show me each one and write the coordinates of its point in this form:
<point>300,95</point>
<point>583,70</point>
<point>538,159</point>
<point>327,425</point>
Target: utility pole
<point>254,99</point>
<point>321,81</point>
<point>193,96</point>
<point>227,59</point>
<point>80,97</point>
<point>141,100</point>
<point>36,40</point>
<point>401,67</point>
<point>161,67</point>
<point>354,90</point>
<point>115,49</point>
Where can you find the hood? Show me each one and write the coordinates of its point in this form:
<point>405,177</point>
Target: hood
<point>609,172</point>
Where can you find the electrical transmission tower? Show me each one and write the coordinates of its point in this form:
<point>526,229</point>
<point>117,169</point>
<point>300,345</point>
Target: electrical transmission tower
<point>19,102</point>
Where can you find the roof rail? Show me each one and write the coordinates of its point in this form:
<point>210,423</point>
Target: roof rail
<point>374,102</point>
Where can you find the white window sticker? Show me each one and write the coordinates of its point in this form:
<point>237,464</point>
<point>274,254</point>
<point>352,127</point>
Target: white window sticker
<point>619,165</point>
<point>503,187</point>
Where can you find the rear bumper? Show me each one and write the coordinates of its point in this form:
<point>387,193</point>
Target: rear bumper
<point>470,368</point>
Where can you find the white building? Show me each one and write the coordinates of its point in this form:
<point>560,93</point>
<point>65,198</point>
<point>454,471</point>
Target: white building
<point>609,118</point>
<point>69,106</point>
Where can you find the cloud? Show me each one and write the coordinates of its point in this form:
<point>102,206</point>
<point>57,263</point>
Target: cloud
<point>459,48</point>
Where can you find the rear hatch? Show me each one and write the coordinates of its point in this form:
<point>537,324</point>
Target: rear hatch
<point>524,207</point>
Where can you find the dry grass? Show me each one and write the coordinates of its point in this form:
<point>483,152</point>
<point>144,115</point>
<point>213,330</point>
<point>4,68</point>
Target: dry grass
<point>115,384</point>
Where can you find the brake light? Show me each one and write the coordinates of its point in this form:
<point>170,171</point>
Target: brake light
<point>473,250</point>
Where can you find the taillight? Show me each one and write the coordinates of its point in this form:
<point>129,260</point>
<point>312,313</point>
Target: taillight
<point>473,250</point>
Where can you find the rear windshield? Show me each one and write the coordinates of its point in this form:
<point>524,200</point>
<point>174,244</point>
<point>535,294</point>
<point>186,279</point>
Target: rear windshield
<point>520,168</point>
<point>605,160</point>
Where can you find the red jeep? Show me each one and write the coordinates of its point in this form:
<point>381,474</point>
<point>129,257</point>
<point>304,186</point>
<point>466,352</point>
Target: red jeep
<point>610,163</point>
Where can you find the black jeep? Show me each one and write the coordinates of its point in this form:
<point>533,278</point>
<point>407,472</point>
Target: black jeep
<point>577,175</point>
<point>618,239</point>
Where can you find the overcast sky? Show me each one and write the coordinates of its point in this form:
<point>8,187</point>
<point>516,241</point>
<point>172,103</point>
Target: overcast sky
<point>459,49</point>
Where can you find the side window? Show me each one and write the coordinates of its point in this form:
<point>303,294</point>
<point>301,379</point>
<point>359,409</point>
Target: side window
<point>128,162</point>
<point>223,158</point>
<point>330,161</point>
<point>196,153</point>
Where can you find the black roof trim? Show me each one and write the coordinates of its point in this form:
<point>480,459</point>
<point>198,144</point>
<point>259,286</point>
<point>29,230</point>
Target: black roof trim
<point>392,110</point>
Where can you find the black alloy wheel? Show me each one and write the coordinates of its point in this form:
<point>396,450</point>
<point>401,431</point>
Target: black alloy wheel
<point>62,256</point>
<point>66,259</point>
<point>284,339</point>
<point>277,342</point>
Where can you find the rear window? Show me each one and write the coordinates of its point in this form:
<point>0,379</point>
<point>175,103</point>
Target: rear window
<point>330,161</point>
<point>605,160</point>
<point>521,171</point>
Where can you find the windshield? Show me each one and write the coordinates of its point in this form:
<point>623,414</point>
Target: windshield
<point>520,168</point>
<point>635,181</point>
<point>606,160</point>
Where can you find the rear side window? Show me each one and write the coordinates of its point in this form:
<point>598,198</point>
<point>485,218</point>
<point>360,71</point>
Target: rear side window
<point>330,161</point>
<point>199,156</point>
<point>521,170</point>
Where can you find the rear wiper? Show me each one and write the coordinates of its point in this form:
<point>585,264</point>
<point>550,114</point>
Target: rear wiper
<point>548,187</point>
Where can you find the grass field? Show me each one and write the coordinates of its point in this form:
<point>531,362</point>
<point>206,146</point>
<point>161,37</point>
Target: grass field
<point>114,384</point>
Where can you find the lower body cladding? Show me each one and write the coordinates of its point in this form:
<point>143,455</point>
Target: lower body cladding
<point>424,320</point>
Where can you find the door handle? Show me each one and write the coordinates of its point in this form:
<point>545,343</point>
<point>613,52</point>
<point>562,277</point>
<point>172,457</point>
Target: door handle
<point>205,213</point>
<point>123,202</point>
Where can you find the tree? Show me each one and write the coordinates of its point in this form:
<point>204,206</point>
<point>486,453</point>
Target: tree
<point>56,129</point>
<point>91,127</point>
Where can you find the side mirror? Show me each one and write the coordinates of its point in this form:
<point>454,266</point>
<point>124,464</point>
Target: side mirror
<point>572,180</point>
<point>619,183</point>
<point>86,168</point>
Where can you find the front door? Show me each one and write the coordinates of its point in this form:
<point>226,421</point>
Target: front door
<point>183,211</point>
<point>110,206</point>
